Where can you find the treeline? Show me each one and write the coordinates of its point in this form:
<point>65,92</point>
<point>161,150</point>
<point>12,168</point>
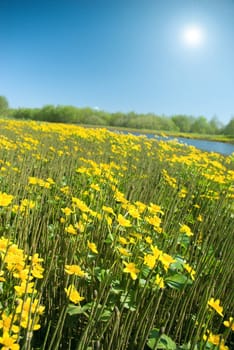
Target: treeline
<point>89,116</point>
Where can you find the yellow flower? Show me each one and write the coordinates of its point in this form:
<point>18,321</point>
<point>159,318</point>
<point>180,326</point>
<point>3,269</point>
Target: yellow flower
<point>134,212</point>
<point>79,226</point>
<point>150,260</point>
<point>124,251</point>
<point>9,342</point>
<point>80,204</point>
<point>5,199</point>
<point>32,180</point>
<point>148,239</point>
<point>71,229</point>
<point>109,220</point>
<point>37,271</point>
<point>123,240</point>
<point>131,268</point>
<point>108,209</point>
<point>141,206</point>
<point>215,340</point>
<point>187,230</point>
<point>74,270</point>
<point>29,306</point>
<point>154,208</point>
<point>200,218</point>
<point>92,246</point>
<point>190,271</point>
<point>159,281</point>
<point>67,211</point>
<point>215,304</point>
<point>73,294</point>
<point>123,222</point>
<point>2,279</point>
<point>6,323</point>
<point>153,220</point>
<point>25,287</point>
<point>166,260</point>
<point>4,243</point>
<point>95,187</point>
<point>156,252</point>
<point>35,258</point>
<point>230,323</point>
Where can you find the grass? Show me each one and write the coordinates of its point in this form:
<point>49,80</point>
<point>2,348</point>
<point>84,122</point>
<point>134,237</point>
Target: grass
<point>113,241</point>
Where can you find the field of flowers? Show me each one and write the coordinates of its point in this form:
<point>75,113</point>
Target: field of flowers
<point>112,241</point>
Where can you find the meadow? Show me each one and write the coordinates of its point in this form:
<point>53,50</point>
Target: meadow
<point>111,241</point>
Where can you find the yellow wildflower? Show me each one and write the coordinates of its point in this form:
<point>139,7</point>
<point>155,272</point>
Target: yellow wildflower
<point>5,199</point>
<point>134,212</point>
<point>124,251</point>
<point>95,187</point>
<point>123,222</point>
<point>229,323</point>
<point>92,246</point>
<point>108,209</point>
<point>215,340</point>
<point>123,240</point>
<point>190,271</point>
<point>8,342</point>
<point>6,323</point>
<point>150,260</point>
<point>156,252</point>
<point>71,229</point>
<point>215,304</point>
<point>187,230</point>
<point>200,218</point>
<point>131,268</point>
<point>159,281</point>
<point>148,239</point>
<point>67,211</point>
<point>80,204</point>
<point>74,270</point>
<point>154,208</point>
<point>153,220</point>
<point>25,287</point>
<point>166,260</point>
<point>80,226</point>
<point>73,294</point>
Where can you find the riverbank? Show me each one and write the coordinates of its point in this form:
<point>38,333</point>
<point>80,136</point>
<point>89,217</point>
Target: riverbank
<point>218,138</point>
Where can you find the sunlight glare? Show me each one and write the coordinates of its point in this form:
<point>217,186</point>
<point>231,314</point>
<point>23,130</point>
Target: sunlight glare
<point>193,36</point>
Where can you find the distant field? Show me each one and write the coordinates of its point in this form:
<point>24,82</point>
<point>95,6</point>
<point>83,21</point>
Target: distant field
<point>113,241</point>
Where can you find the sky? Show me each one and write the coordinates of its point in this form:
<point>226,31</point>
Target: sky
<point>148,56</point>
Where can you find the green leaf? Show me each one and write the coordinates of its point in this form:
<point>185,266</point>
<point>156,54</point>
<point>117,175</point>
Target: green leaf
<point>177,281</point>
<point>77,309</point>
<point>106,315</point>
<point>160,341</point>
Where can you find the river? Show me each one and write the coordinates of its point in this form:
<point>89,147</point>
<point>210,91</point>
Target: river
<point>210,146</point>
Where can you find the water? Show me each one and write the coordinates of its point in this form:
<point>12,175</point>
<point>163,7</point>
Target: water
<point>210,146</point>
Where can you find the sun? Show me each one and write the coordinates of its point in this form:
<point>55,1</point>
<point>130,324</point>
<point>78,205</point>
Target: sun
<point>193,36</point>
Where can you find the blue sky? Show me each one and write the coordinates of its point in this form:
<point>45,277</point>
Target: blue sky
<point>119,55</point>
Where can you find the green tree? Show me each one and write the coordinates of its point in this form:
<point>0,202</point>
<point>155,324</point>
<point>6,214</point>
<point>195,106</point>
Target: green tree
<point>229,128</point>
<point>215,125</point>
<point>3,105</point>
<point>200,126</point>
<point>183,122</point>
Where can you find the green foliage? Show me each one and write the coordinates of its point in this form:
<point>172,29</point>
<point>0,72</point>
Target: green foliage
<point>229,128</point>
<point>160,341</point>
<point>149,121</point>
<point>3,105</point>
